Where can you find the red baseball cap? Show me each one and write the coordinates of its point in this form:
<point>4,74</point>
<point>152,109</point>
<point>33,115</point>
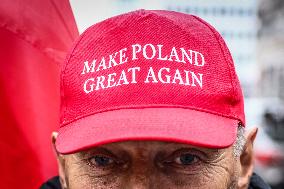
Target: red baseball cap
<point>149,75</point>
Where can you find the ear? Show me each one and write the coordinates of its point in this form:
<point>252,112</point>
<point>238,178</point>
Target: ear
<point>60,162</point>
<point>246,160</point>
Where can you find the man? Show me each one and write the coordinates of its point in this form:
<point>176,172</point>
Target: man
<point>150,99</point>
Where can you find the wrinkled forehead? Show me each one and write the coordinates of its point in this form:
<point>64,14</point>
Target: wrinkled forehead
<point>148,147</point>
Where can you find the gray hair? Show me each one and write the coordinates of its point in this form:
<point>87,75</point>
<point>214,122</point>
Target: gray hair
<point>240,141</point>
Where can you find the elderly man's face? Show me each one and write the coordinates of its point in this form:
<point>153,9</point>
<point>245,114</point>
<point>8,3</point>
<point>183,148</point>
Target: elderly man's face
<point>153,164</point>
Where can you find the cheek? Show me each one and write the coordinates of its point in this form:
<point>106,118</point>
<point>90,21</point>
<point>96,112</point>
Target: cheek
<point>200,181</point>
<point>86,181</point>
<point>222,175</point>
<point>214,177</point>
<point>219,175</point>
<point>81,176</point>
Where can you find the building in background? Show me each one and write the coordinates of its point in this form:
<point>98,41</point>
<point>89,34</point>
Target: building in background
<point>271,48</point>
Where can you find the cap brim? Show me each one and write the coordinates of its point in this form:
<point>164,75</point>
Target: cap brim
<point>160,124</point>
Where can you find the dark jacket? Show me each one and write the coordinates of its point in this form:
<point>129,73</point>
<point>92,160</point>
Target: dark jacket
<point>255,183</point>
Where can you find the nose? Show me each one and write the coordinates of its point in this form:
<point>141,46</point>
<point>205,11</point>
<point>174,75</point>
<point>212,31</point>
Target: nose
<point>139,182</point>
<point>140,176</point>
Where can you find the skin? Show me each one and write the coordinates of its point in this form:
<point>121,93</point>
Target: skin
<point>156,165</point>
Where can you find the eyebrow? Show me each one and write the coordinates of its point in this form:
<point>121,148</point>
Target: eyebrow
<point>90,151</point>
<point>166,145</point>
<point>181,145</point>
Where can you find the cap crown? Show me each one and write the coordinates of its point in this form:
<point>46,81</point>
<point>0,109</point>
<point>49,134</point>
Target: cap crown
<point>150,59</point>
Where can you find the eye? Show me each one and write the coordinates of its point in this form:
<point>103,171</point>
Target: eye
<point>101,161</point>
<point>186,159</point>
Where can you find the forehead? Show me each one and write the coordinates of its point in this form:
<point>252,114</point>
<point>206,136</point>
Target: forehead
<point>147,147</point>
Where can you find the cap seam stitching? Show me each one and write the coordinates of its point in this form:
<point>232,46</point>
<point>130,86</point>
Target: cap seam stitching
<point>231,77</point>
<point>70,55</point>
<point>154,12</point>
<point>151,106</point>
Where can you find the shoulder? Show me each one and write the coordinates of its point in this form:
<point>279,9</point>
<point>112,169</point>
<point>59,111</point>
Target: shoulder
<point>52,183</point>
<point>256,182</point>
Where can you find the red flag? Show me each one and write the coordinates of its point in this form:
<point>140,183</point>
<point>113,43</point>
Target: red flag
<point>34,37</point>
